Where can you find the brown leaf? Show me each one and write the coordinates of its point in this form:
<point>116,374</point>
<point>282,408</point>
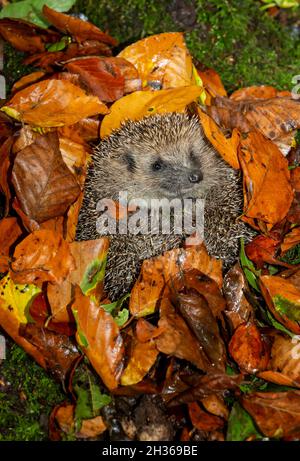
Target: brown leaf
<point>258,92</point>
<point>99,338</point>
<point>284,364</point>
<point>202,420</point>
<point>91,428</point>
<point>274,117</point>
<point>27,80</point>
<point>238,310</point>
<point>86,129</point>
<point>40,257</point>
<point>79,29</point>
<point>214,404</point>
<point>52,103</point>
<point>249,349</point>
<point>276,414</point>
<point>211,82</point>
<point>59,352</point>
<point>291,239</point>
<point>156,273</point>
<point>25,36</point>
<point>263,166</point>
<point>5,164</point>
<point>10,231</point>
<point>48,60</point>
<point>263,249</point>
<point>44,185</point>
<point>176,338</point>
<point>145,331</point>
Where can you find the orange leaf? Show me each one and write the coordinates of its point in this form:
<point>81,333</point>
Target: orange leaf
<point>52,103</point>
<point>27,80</point>
<point>79,29</point>
<point>227,147</point>
<point>291,239</point>
<point>141,358</point>
<point>42,256</point>
<point>264,167</point>
<point>10,231</point>
<point>100,339</point>
<point>283,300</point>
<point>84,254</point>
<point>139,104</point>
<point>163,59</point>
<point>248,348</point>
<point>212,82</point>
<point>202,420</point>
<point>257,92</point>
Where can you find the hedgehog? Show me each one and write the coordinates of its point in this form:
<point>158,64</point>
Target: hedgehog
<point>163,156</point>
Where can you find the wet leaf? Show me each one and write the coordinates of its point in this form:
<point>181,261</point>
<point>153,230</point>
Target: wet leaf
<point>52,103</point>
<point>139,104</point>
<point>263,249</point>
<point>24,36</point>
<point>77,28</point>
<point>290,240</point>
<point>248,267</point>
<point>42,256</point>
<point>238,310</point>
<point>275,414</point>
<point>27,80</point>
<point>59,352</point>
<point>249,349</point>
<point>163,61</point>
<point>44,185</point>
<point>99,337</point>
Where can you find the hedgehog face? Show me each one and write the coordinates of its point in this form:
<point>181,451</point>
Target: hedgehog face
<point>162,156</point>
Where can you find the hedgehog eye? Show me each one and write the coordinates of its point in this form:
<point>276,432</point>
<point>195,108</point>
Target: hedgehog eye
<point>158,165</point>
<point>130,162</point>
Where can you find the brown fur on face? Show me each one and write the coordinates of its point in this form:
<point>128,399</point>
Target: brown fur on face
<point>162,156</point>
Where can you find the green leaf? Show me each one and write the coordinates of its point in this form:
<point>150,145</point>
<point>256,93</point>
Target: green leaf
<point>31,10</point>
<point>241,425</point>
<point>292,256</point>
<point>120,316</point>
<point>93,275</point>
<point>89,402</point>
<point>82,338</point>
<point>272,321</point>
<point>59,46</point>
<point>248,267</point>
<point>286,307</point>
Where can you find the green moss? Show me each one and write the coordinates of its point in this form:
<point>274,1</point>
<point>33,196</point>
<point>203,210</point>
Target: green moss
<point>27,396</point>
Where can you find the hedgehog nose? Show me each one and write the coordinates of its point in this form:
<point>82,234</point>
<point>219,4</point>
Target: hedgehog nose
<point>195,177</point>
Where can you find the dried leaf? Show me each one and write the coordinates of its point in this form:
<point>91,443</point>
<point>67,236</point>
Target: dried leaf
<point>276,414</point>
<point>52,103</point>
<point>257,92</point>
<point>249,349</point>
<point>291,239</point>
<point>142,357</point>
<point>156,273</point>
<point>162,60</point>
<point>139,104</point>
<point>10,231</point>
<point>42,256</point>
<point>227,147</point>
<point>202,420</point>
<point>99,338</point>
<point>27,80</point>
<point>263,166</point>
<point>44,185</point>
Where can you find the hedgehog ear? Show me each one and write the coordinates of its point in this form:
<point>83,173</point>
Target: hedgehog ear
<point>129,162</point>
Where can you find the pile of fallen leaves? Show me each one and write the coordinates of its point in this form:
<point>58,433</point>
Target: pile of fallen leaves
<point>188,355</point>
